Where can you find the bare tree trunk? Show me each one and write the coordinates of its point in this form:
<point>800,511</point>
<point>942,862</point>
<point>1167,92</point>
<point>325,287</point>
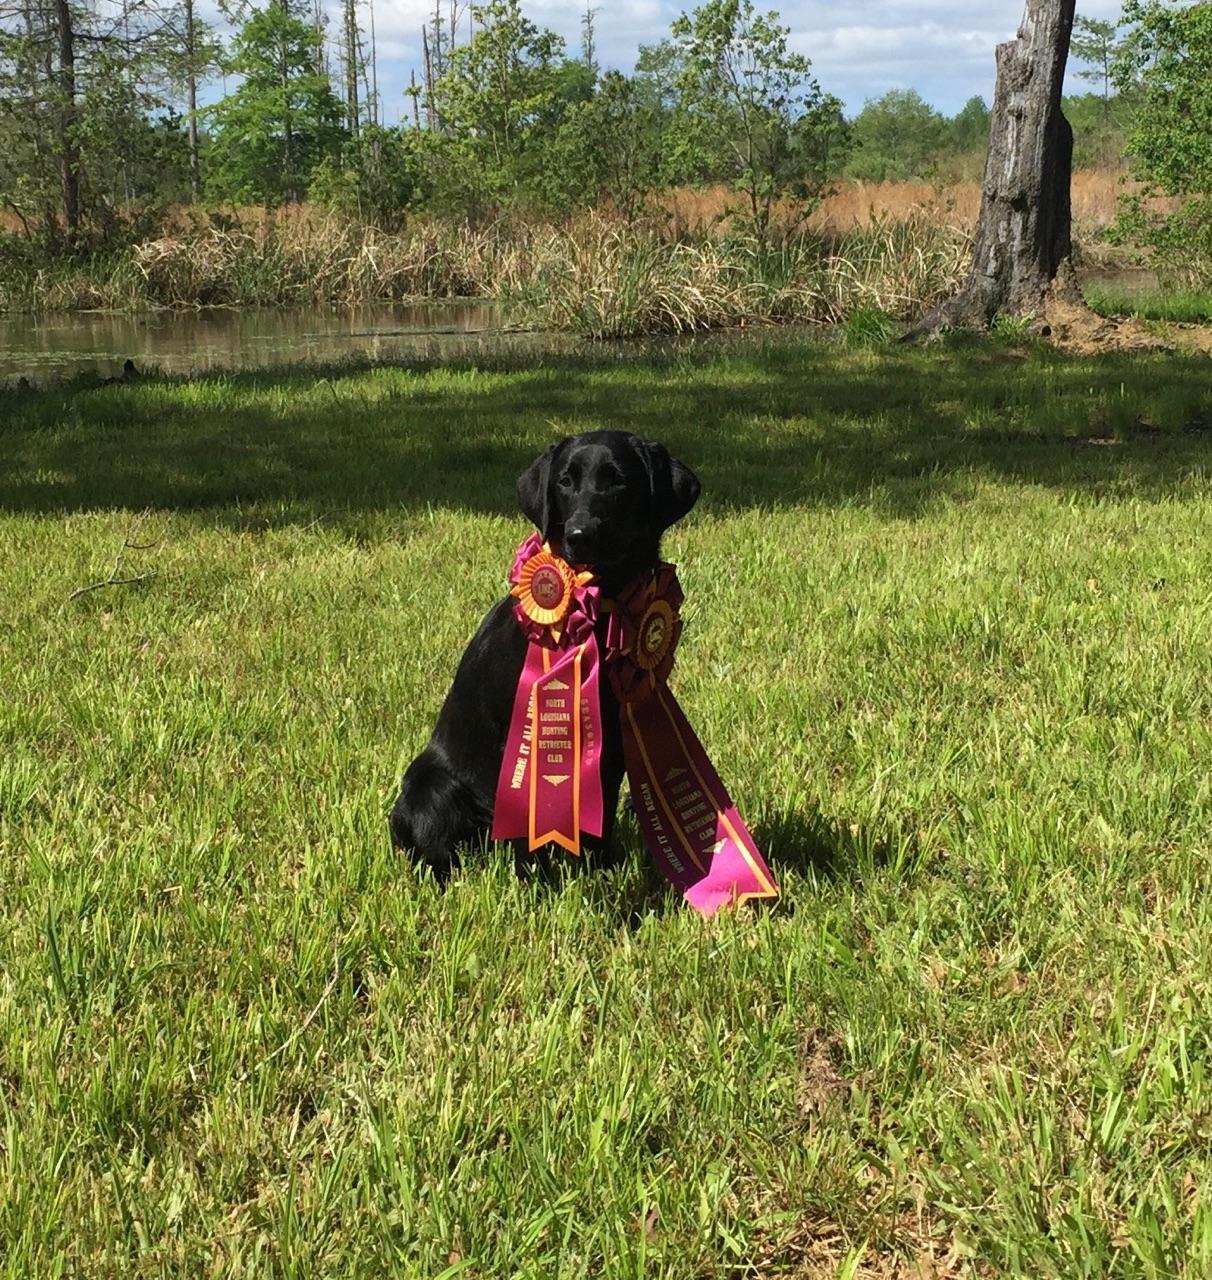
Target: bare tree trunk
<point>352,110</point>
<point>293,195</point>
<point>191,75</point>
<point>35,40</point>
<point>69,149</point>
<point>318,21</point>
<point>375,115</point>
<point>589,46</point>
<point>428,72</point>
<point>1022,251</point>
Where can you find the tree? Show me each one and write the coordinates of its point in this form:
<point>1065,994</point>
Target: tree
<point>1165,63</point>
<point>969,127</point>
<point>1094,43</point>
<point>589,46</point>
<point>193,52</point>
<point>1098,129</point>
<point>351,33</point>
<point>90,142</point>
<point>1022,249</point>
<point>691,152</point>
<point>282,120</point>
<point>497,101</point>
<point>609,147</point>
<point>377,175</point>
<point>66,111</point>
<point>757,97</point>
<point>895,137</point>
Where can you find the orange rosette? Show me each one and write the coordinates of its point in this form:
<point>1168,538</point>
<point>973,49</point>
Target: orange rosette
<point>548,590</point>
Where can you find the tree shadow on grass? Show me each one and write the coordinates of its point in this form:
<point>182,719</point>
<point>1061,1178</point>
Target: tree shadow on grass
<point>777,426</point>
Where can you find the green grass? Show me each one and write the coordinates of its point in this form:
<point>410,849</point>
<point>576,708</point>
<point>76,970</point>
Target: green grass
<point>949,643</point>
<point>1153,304</point>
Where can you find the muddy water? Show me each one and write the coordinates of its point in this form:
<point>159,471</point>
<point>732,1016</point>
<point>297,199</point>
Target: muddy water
<point>43,348</point>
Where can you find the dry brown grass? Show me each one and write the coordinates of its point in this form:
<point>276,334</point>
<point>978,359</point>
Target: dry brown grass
<point>851,205</point>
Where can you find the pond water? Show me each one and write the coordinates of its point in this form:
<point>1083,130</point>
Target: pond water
<point>47,348</point>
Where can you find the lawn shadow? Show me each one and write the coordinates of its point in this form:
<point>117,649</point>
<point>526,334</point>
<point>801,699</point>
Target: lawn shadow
<point>780,425</point>
<point>804,842</point>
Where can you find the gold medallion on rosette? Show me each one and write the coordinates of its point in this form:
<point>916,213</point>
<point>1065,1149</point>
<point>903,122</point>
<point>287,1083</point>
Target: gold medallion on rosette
<point>656,634</point>
<point>643,633</point>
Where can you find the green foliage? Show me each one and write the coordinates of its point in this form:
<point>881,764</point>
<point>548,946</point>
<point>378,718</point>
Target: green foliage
<point>1150,304</point>
<point>896,137</point>
<point>1010,328</point>
<point>497,107</point>
<point>690,152</point>
<point>112,114</point>
<point>271,132</point>
<point>1099,129</point>
<point>968,129</point>
<point>763,115</point>
<point>1095,43</point>
<point>1099,118</point>
<point>376,176</point>
<point>609,147</point>
<point>511,124</point>
<point>868,327</point>
<point>1166,63</point>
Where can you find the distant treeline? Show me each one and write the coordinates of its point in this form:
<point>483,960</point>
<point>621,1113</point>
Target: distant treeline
<point>101,131</point>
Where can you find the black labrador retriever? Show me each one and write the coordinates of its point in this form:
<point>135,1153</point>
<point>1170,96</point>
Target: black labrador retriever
<point>602,500</point>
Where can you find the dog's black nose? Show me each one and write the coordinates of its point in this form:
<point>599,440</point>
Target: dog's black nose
<point>578,541</point>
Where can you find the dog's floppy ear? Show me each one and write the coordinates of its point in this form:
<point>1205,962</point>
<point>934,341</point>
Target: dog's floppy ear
<point>675,488</point>
<point>534,488</point>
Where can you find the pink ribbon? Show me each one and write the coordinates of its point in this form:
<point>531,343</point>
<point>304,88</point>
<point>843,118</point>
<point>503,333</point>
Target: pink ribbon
<point>690,826</point>
<point>550,786</point>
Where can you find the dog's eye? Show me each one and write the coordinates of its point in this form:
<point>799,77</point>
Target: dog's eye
<point>565,482</point>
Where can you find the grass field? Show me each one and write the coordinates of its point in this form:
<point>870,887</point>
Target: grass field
<point>949,641</point>
<point>1183,306</point>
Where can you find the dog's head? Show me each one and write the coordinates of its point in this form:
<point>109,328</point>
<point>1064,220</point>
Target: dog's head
<point>603,499</point>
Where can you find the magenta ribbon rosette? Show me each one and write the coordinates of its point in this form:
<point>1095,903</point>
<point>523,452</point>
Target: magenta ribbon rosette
<point>550,783</point>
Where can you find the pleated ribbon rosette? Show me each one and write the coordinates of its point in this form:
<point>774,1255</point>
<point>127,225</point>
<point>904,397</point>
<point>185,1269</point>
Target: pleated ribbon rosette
<point>550,786</point>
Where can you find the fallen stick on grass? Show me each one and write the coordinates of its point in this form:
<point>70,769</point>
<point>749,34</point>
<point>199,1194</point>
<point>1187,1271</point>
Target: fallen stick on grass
<point>128,544</point>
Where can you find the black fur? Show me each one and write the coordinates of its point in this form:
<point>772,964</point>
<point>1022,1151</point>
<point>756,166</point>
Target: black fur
<point>602,500</point>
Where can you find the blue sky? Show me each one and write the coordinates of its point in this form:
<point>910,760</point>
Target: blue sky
<point>859,48</point>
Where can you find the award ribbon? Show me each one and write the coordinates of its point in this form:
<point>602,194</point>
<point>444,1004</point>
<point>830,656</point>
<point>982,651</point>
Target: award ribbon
<point>550,785</point>
<point>690,825</point>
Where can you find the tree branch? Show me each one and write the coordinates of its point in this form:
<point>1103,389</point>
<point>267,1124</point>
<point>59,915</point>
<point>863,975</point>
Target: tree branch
<point>128,544</point>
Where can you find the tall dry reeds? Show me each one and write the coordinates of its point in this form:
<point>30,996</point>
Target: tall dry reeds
<point>605,279</point>
<point>593,274</point>
<point>315,260</point>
